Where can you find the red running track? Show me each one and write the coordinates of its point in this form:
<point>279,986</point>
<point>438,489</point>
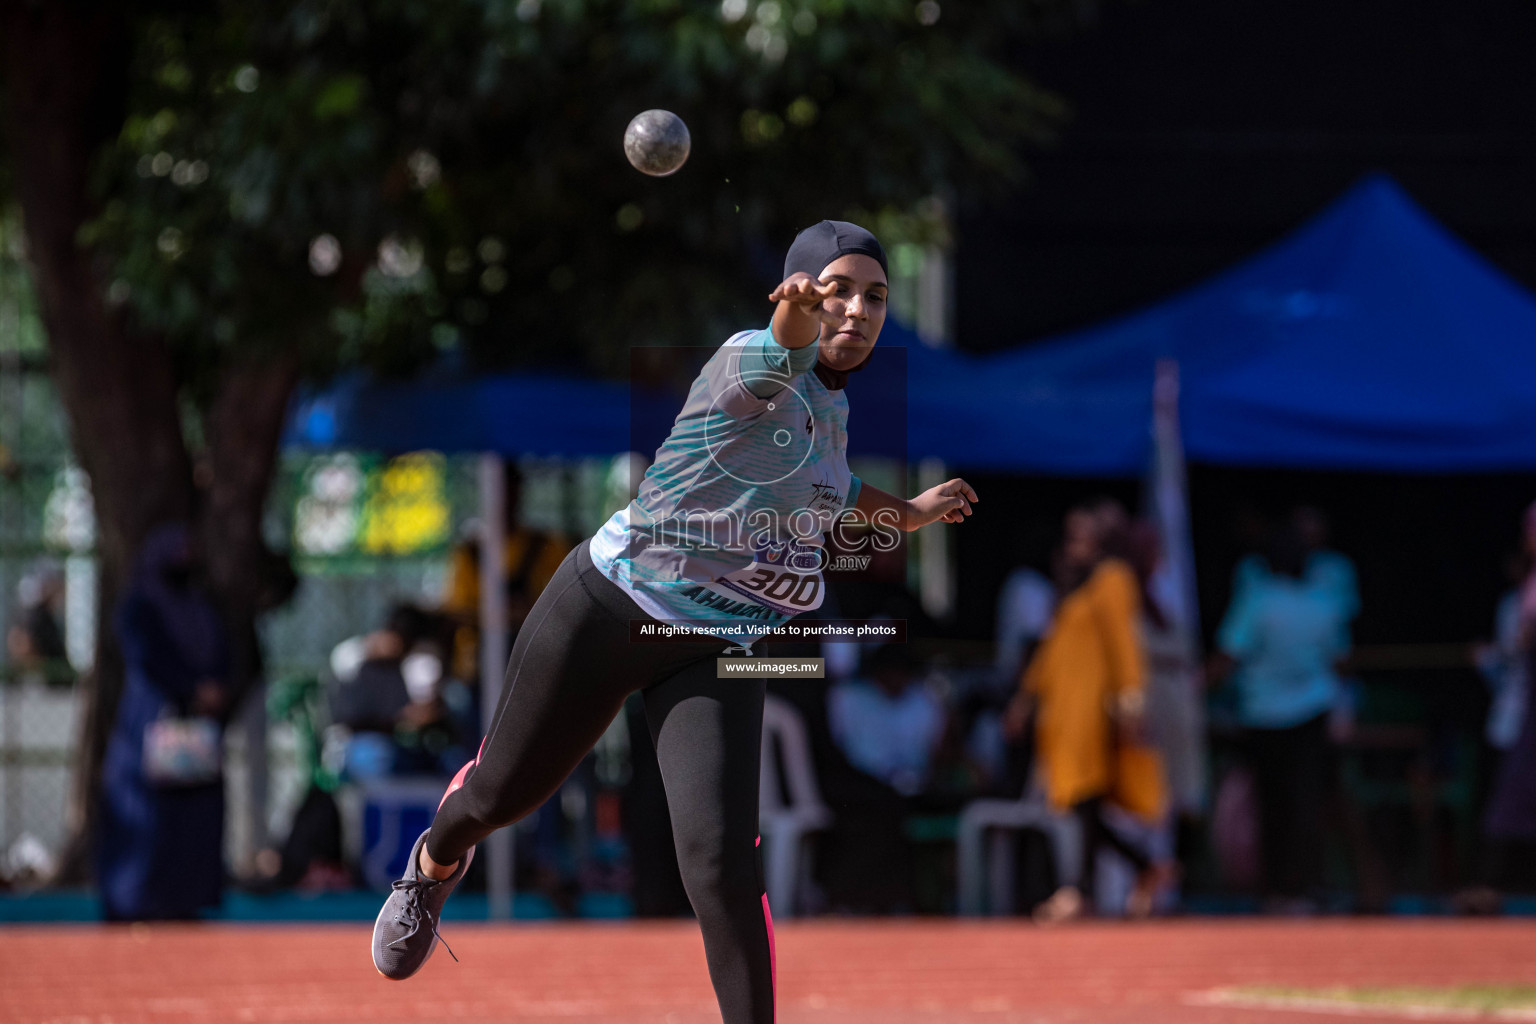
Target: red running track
<point>893,972</point>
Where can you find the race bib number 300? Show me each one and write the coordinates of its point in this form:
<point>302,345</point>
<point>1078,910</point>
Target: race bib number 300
<point>787,579</point>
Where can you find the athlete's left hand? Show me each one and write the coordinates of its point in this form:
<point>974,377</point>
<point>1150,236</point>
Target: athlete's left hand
<point>949,502</point>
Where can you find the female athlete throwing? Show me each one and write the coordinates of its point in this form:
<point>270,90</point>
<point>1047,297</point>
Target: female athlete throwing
<point>724,536</point>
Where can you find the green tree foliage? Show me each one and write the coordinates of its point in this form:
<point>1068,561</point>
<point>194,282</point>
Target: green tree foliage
<point>220,198</point>
<point>459,163</point>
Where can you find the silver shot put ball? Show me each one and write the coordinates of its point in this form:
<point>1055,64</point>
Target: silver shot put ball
<point>656,142</point>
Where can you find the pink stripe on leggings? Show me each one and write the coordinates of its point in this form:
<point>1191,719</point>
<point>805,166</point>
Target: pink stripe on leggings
<point>773,960</point>
<point>458,780</point>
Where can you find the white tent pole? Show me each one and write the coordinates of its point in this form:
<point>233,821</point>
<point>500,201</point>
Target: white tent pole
<point>493,656</point>
<point>1169,501</point>
<point>254,724</point>
<point>936,589</point>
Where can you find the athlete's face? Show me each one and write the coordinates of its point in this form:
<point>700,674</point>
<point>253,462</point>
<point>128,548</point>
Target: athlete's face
<point>858,310</point>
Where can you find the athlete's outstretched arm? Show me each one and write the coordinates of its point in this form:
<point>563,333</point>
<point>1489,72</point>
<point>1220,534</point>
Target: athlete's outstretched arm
<point>949,502</point>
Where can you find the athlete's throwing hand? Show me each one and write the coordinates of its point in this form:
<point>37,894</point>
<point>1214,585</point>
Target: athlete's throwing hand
<point>804,290</point>
<point>797,322</point>
<point>949,502</point>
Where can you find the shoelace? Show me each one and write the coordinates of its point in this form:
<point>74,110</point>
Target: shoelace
<point>411,913</point>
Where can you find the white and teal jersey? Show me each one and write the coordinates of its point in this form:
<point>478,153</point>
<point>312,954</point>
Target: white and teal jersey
<point>729,523</point>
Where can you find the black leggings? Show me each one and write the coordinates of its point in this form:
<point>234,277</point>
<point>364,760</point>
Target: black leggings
<point>1293,770</point>
<point>1097,834</point>
<point>571,668</point>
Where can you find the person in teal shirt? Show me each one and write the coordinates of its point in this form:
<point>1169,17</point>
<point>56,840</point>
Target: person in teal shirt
<point>1280,642</point>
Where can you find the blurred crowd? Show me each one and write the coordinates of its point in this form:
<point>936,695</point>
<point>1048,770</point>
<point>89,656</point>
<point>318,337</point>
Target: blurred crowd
<point>34,642</point>
<point>1109,759</point>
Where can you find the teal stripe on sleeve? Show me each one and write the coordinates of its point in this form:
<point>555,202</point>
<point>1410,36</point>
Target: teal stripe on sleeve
<point>854,486</point>
<point>762,354</point>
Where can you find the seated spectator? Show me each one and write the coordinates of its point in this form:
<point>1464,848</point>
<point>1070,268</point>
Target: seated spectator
<point>1024,607</point>
<point>36,642</point>
<point>389,692</point>
<point>431,732</point>
<point>865,861</point>
<point>886,723</point>
<point>370,689</point>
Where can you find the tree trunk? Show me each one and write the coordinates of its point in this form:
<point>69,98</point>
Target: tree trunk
<point>244,427</point>
<point>65,67</point>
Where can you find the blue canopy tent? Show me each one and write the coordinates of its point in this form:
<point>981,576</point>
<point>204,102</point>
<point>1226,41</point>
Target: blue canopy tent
<point>533,414</point>
<point>1370,338</point>
<point>546,414</point>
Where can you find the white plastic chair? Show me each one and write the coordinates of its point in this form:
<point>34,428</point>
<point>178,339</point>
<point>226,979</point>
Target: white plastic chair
<point>790,807</point>
<point>988,846</point>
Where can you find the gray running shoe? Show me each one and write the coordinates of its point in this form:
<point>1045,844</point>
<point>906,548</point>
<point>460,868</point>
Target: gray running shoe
<point>405,933</point>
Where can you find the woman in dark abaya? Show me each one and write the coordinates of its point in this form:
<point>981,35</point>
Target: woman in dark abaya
<point>161,836</point>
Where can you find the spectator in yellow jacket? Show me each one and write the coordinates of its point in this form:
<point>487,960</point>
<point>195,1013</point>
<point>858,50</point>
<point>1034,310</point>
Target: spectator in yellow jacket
<point>1085,687</point>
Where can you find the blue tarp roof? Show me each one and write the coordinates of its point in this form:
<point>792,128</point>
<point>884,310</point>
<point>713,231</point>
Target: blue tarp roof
<point>546,414</point>
<point>515,414</point>
<point>1370,338</point>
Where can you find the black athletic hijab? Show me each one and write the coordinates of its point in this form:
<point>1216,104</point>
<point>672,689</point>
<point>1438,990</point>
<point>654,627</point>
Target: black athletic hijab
<point>817,246</point>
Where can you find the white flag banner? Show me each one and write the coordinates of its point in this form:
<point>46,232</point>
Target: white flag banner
<point>1168,507</point>
<point>1175,698</point>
